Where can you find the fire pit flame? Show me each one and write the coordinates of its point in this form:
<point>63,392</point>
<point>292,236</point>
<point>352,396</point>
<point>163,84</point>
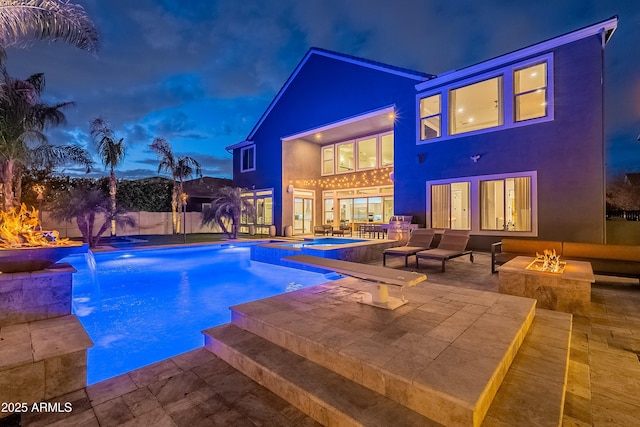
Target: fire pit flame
<point>21,228</point>
<point>548,261</point>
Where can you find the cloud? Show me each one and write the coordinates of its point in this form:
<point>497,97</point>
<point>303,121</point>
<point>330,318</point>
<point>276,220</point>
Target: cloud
<point>202,73</point>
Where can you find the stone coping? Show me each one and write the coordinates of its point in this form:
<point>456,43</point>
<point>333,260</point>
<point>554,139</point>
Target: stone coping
<point>43,339</point>
<point>574,270</point>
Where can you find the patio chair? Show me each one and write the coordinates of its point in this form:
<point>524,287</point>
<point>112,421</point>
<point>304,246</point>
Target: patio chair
<point>342,231</point>
<point>419,240</point>
<point>322,230</point>
<point>453,244</point>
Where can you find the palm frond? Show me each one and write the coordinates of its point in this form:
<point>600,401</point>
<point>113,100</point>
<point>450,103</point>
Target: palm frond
<point>24,21</point>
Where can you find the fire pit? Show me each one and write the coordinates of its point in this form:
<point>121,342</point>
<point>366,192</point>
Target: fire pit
<point>24,247</point>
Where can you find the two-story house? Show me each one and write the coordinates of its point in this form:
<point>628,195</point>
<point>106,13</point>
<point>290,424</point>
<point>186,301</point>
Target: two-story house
<point>511,146</point>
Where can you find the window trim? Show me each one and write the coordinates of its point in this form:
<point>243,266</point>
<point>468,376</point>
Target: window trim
<point>475,202</point>
<point>357,152</point>
<point>508,113</point>
<point>322,148</point>
<point>242,150</point>
<point>379,153</point>
<point>336,155</point>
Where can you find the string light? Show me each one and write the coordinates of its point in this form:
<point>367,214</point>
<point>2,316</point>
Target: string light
<point>370,178</point>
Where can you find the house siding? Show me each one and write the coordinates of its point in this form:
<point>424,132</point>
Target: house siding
<point>567,154</point>
<point>324,91</point>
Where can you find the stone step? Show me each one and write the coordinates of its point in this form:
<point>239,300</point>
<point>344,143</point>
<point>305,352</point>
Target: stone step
<point>444,355</point>
<point>42,359</point>
<point>327,397</point>
<point>533,391</point>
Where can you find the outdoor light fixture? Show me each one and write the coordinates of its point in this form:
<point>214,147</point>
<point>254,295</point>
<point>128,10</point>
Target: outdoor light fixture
<point>184,197</point>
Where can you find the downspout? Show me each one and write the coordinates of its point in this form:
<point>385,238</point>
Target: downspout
<point>604,159</point>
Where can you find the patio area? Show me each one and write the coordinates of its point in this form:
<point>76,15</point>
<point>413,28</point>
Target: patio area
<point>197,388</point>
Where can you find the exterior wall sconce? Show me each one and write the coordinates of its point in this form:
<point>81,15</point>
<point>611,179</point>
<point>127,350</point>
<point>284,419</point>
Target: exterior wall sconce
<point>475,158</point>
<point>290,188</point>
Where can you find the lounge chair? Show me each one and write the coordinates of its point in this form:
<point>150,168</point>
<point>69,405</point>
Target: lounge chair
<point>453,244</point>
<point>322,230</point>
<point>419,240</point>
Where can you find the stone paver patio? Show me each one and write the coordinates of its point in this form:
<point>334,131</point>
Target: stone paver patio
<point>197,388</point>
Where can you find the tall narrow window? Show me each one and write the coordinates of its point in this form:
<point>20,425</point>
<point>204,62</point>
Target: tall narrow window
<point>450,206</point>
<point>505,204</point>
<point>327,160</point>
<point>367,156</point>
<point>530,92</point>
<point>386,150</point>
<point>430,117</point>
<point>346,159</point>
<point>248,158</point>
<point>477,106</point>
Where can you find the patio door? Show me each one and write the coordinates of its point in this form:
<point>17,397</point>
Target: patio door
<point>302,215</point>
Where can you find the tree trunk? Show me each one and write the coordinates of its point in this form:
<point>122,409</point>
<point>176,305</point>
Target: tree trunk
<point>7,188</point>
<point>112,192</point>
<point>174,210</point>
<point>83,227</point>
<point>17,184</point>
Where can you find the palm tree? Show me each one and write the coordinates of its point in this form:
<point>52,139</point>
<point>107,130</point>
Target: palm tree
<point>225,208</point>
<point>23,21</point>
<point>85,204</point>
<point>180,168</point>
<point>23,118</point>
<point>112,151</point>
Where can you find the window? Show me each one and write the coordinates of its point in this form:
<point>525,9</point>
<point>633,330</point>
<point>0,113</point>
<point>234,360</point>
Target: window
<point>328,160</point>
<point>450,206</point>
<point>262,200</point>
<point>505,204</point>
<point>367,153</point>
<point>530,92</point>
<point>358,205</point>
<point>430,116</point>
<point>508,97</point>
<point>346,161</point>
<point>248,158</point>
<point>477,106</point>
<point>486,204</point>
<point>386,150</point>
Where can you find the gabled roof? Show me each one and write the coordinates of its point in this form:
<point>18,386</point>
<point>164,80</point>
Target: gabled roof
<point>399,71</point>
<point>606,28</point>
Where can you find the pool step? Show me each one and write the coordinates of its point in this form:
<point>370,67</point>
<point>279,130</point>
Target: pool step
<point>326,396</point>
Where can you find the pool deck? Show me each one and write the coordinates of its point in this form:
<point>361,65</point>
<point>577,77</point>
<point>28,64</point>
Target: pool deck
<point>198,388</point>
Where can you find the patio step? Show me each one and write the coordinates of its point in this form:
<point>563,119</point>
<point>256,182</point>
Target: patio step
<point>324,395</point>
<point>444,355</point>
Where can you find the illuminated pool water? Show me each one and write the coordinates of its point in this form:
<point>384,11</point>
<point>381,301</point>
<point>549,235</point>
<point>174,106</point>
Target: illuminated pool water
<point>142,306</point>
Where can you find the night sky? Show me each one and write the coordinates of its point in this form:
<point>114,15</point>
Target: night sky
<point>201,73</point>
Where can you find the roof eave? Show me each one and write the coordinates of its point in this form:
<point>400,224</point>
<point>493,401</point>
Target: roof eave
<point>605,28</point>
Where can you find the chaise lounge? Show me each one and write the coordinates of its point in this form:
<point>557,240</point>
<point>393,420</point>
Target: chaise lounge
<point>452,245</point>
<point>419,240</point>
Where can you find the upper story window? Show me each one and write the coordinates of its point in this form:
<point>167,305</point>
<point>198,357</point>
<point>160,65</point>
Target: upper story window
<point>476,106</point>
<point>367,153</point>
<point>346,158</point>
<point>516,95</point>
<point>386,150</point>
<point>327,160</point>
<point>530,92</point>
<point>371,152</point>
<point>430,117</point>
<point>248,158</point>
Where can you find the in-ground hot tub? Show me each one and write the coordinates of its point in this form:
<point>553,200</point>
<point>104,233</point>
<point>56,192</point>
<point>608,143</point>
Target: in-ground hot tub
<point>346,249</point>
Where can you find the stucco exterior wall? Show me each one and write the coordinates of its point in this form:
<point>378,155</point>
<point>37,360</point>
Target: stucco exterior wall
<point>567,154</point>
<point>324,91</point>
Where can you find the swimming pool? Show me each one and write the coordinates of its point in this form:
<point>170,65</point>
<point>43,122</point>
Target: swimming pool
<point>142,306</point>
